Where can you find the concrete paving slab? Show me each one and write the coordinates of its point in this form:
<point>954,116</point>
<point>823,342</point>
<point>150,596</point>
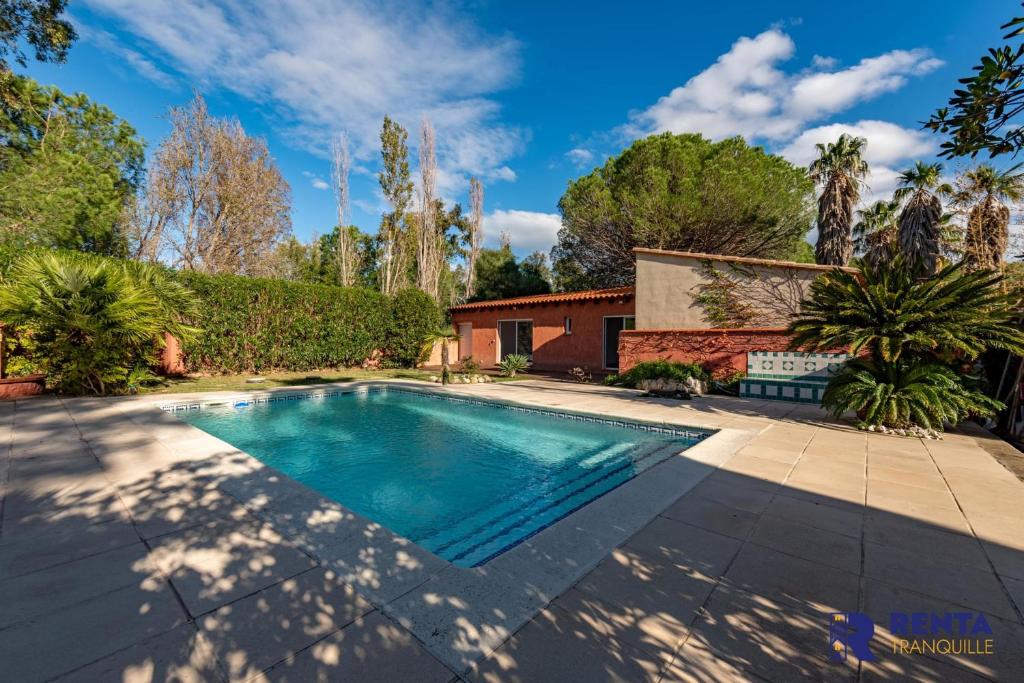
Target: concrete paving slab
<point>809,586</point>
<point>882,599</point>
<point>671,541</point>
<point>50,590</point>
<point>181,655</point>
<point>764,637</point>
<point>255,633</point>
<point>62,544</point>
<point>955,582</point>
<point>662,593</point>
<point>370,649</point>
<point>45,647</point>
<point>934,545</point>
<point>808,542</point>
<point>736,491</point>
<point>550,649</point>
<point>712,515</point>
<point>216,563</point>
<point>817,514</point>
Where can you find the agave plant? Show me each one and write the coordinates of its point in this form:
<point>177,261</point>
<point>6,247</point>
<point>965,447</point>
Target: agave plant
<point>903,393</point>
<point>888,311</point>
<point>93,322</point>
<point>840,168</point>
<point>513,364</point>
<point>920,231</point>
<point>983,193</point>
<point>876,234</point>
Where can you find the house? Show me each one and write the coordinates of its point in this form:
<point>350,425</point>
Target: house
<point>685,306</point>
<point>555,331</point>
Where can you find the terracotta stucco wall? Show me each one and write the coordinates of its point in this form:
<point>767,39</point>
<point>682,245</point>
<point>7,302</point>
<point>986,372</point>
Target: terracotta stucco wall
<point>723,351</point>
<point>667,284</point>
<point>552,348</point>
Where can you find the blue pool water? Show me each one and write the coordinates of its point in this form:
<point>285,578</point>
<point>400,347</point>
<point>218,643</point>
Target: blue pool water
<point>464,480</point>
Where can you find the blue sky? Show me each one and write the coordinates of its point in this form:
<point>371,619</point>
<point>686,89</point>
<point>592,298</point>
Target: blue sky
<point>528,95</point>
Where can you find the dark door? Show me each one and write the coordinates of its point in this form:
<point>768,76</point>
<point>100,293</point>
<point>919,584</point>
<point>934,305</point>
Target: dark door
<point>612,327</point>
<point>516,336</point>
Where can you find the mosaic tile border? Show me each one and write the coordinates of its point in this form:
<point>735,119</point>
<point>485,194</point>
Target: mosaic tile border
<point>695,435</point>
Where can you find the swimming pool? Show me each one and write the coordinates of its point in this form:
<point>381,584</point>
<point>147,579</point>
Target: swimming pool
<point>465,479</point>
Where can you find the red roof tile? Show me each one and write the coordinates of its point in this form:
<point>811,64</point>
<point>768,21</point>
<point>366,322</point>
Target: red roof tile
<point>563,297</point>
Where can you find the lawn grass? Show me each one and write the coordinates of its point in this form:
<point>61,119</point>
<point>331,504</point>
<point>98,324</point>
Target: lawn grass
<point>181,385</point>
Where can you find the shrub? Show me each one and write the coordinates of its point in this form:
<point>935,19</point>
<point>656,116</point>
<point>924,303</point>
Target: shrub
<point>907,330</point>
<point>469,365</point>
<point>93,323</point>
<point>581,375</point>
<point>254,325</point>
<point>413,316</point>
<point>656,369</point>
<point>902,394</point>
<point>513,363</point>
<point>887,311</point>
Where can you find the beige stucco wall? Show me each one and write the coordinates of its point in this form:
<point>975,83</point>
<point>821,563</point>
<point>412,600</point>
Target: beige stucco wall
<point>667,283</point>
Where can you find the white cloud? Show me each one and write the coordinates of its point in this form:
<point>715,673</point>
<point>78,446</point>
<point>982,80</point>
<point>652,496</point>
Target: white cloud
<point>143,66</point>
<point>320,184</point>
<point>528,230</point>
<point>890,149</point>
<point>580,157</point>
<point>321,68</point>
<point>746,93</point>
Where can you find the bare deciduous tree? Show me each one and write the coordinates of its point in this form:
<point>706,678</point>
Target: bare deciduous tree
<point>345,253</point>
<point>430,246</point>
<point>476,232</point>
<point>216,199</point>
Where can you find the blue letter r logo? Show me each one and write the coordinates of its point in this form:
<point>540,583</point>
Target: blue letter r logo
<point>850,631</point>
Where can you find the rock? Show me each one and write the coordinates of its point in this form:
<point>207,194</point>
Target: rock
<point>255,380</point>
<point>695,386</point>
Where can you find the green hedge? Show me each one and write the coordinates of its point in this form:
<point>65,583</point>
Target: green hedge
<point>256,325</point>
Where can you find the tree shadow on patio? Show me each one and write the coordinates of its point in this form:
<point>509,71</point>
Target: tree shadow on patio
<point>119,563</point>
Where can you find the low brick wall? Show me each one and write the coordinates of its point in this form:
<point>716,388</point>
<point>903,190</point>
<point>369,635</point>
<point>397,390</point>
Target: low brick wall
<point>19,387</point>
<point>721,350</point>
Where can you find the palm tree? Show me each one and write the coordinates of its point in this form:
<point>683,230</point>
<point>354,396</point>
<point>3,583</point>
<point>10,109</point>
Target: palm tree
<point>443,337</point>
<point>877,232</point>
<point>840,168</point>
<point>94,322</point>
<point>984,193</point>
<point>920,232</point>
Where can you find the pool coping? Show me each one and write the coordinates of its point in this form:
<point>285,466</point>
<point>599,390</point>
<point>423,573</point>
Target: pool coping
<point>460,615</point>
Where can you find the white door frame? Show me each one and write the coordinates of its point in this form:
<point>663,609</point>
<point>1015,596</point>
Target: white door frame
<point>497,328</point>
<point>604,336</point>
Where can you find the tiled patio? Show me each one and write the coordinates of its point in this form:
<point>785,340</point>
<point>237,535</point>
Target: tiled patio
<point>119,560</point>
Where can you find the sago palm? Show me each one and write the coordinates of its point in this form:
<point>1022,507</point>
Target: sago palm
<point>920,232</point>
<point>984,193</point>
<point>840,169</point>
<point>904,393</point>
<point>890,312</point>
<point>876,233</point>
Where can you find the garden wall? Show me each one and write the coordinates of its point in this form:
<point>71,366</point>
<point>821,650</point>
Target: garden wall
<point>722,351</point>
